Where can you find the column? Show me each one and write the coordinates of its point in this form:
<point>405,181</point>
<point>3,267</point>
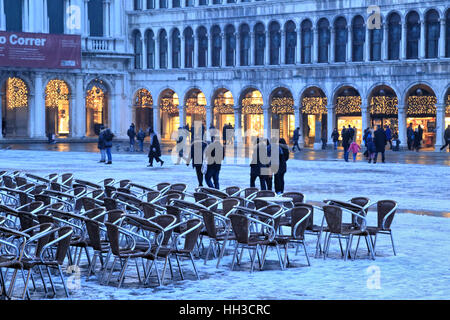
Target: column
<point>403,43</point>
<point>367,45</point>
<point>182,115</point>
<point>385,42</point>
<point>210,49</point>
<point>301,140</point>
<point>39,108</point>
<point>402,126</point>
<point>267,122</point>
<point>331,120</point>
<point>238,50</point>
<point>2,24</point>
<point>332,45</point>
<point>298,47</point>
<point>157,48</point>
<point>79,109</point>
<point>144,51</point>
<point>315,46</point>
<point>349,44</point>
<point>365,117</point>
<point>196,47</point>
<point>183,52</point>
<point>85,19</point>
<point>267,49</point>
<point>223,51</point>
<point>283,47</point>
<point>106,15</point>
<point>440,125</point>
<point>157,121</point>
<point>422,42</point>
<point>27,17</point>
<point>442,36</point>
<point>169,51</point>
<point>157,4</point>
<point>252,48</point>
<point>169,5</point>
<point>44,23</point>
<point>115,115</point>
<point>209,117</point>
<point>318,135</point>
<point>237,125</point>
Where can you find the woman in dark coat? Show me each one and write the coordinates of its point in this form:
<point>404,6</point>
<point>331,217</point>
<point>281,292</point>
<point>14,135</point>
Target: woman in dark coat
<point>101,145</point>
<point>214,155</point>
<point>283,157</point>
<point>155,150</point>
<point>197,150</point>
<point>108,137</point>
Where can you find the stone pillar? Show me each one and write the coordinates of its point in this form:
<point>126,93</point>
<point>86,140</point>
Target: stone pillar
<point>144,52</point>
<point>237,125</point>
<point>238,50</point>
<point>79,109</point>
<point>157,49</point>
<point>182,115</point>
<point>349,44</point>
<point>2,26</point>
<point>209,116</point>
<point>331,120</point>
<point>365,117</point>
<point>85,18</point>
<point>252,49</point>
<point>210,50</point>
<point>301,141</point>
<point>267,49</point>
<point>367,45</point>
<point>385,42</point>
<point>283,48</point>
<point>402,126</point>
<point>157,120</point>
<point>223,51</point>
<point>403,42</point>
<point>157,4</point>
<point>196,47</point>
<point>169,51</point>
<point>298,47</point>
<point>318,135</point>
<point>116,115</point>
<point>39,108</point>
<point>442,38</point>
<point>267,122</point>
<point>315,46</point>
<point>183,52</point>
<point>332,45</point>
<point>422,41</point>
<point>106,18</point>
<point>27,17</point>
<point>169,5</point>
<point>440,125</point>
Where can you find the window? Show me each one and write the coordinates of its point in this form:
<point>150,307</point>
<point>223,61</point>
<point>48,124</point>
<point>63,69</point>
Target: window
<point>358,39</point>
<point>137,45</point>
<point>216,46</point>
<point>376,40</point>
<point>275,43</point>
<point>291,42</point>
<point>163,4</point>
<point>189,48</point>
<point>230,40</point>
<point>324,39</point>
<point>176,4</point>
<point>137,5</point>
<point>151,4</point>
<point>394,36</point>
<point>447,34</point>
<point>203,2</point>
<point>202,47</point>
<point>307,40</point>
<point>340,42</point>
<point>150,49</point>
<point>55,12</point>
<point>163,50</point>
<point>13,13</point>
<point>260,44</point>
<point>176,49</point>
<point>432,34</point>
<point>244,33</point>
<point>189,3</point>
<point>412,35</point>
<point>217,1</point>
<point>95,16</point>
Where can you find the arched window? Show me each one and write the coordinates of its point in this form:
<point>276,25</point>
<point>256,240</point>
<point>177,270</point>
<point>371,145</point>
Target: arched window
<point>189,48</point>
<point>57,113</point>
<point>447,34</point>
<point>230,40</point>
<point>137,46</point>
<point>358,39</point>
<point>150,38</point>
<point>244,33</point>
<point>189,3</point>
<point>394,36</point>
<point>291,42</point>
<point>202,46</point>
<point>13,13</point>
<point>163,4</point>
<point>432,34</point>
<point>203,2</point>
<point>324,39</point>
<point>176,48</point>
<point>163,49</point>
<point>376,40</point>
<point>260,44</point>
<point>15,115</point>
<point>341,36</point>
<point>55,12</point>
<point>412,35</point>
<point>307,40</point>
<point>176,3</point>
<point>137,5</point>
<point>275,43</point>
<point>216,46</point>
<point>151,4</point>
<point>95,16</point>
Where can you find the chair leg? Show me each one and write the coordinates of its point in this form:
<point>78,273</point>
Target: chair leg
<point>122,272</point>
<point>252,258</point>
<point>340,245</point>
<point>371,249</point>
<point>392,241</point>
<point>209,249</point>
<point>91,269</point>
<point>348,249</point>
<point>164,270</point>
<point>327,247</point>
<point>42,278</point>
<point>193,264</point>
<point>279,257</point>
<point>63,281</point>
<point>234,255</point>
<point>222,251</point>
<point>137,270</point>
<point>12,283</point>
<point>51,280</point>
<point>25,282</point>
<point>179,267</point>
<point>306,253</point>
<point>111,271</point>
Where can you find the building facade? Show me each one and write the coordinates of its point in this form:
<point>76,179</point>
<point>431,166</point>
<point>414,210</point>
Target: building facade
<point>258,65</point>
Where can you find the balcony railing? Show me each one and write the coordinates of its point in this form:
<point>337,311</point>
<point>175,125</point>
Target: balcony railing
<point>100,44</point>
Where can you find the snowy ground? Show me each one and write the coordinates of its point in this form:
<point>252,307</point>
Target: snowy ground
<point>419,271</point>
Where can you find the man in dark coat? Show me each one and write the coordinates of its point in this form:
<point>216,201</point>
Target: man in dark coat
<point>101,145</point>
<point>141,137</point>
<point>255,164</point>
<point>197,151</point>
<point>380,144</point>
<point>282,168</point>
<point>335,137</point>
<point>295,139</point>
<point>214,154</point>
<point>155,149</point>
<point>132,135</point>
<point>410,136</point>
<point>389,135</point>
<point>346,139</point>
<point>108,137</point>
<point>446,138</point>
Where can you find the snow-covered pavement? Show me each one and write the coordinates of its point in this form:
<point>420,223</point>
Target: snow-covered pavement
<point>419,271</point>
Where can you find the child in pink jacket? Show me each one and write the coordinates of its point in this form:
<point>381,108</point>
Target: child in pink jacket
<point>354,148</point>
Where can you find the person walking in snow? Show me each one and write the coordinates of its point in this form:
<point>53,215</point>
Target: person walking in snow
<point>132,135</point>
<point>155,149</point>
